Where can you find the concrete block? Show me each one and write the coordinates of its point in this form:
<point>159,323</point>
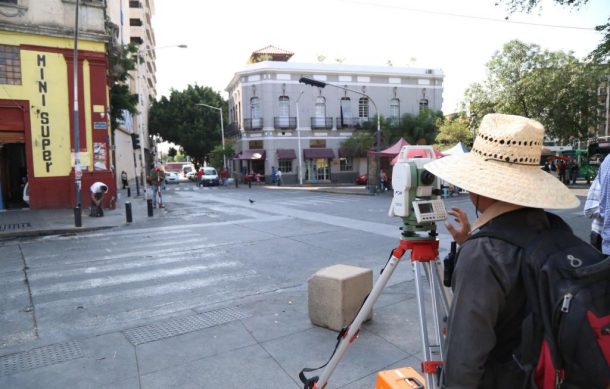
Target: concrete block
<point>336,293</point>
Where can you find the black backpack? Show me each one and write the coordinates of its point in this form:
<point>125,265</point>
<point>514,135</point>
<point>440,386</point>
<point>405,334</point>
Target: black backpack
<point>566,336</point>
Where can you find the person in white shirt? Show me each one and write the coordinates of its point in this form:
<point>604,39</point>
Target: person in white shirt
<point>98,190</point>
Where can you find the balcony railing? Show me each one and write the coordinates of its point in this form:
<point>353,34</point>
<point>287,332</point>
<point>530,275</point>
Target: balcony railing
<point>350,122</point>
<point>232,130</point>
<point>322,123</point>
<point>285,122</point>
<point>253,124</point>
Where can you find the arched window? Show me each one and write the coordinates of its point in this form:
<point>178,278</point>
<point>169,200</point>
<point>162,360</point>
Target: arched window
<point>255,112</point>
<point>284,112</point>
<point>319,120</point>
<point>394,111</point>
<point>345,113</point>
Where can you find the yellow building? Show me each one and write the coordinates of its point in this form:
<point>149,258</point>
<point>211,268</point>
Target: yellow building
<point>36,109</point>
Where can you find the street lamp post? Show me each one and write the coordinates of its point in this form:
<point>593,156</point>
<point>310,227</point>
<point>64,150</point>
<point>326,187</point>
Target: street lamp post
<point>299,142</point>
<point>142,53</point>
<point>77,167</point>
<point>321,84</point>
<point>222,132</point>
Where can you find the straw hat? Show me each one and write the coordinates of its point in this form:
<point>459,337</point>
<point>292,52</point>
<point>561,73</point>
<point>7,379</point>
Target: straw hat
<point>503,165</point>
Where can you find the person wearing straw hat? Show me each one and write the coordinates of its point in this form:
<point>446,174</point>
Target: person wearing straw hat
<point>508,190</point>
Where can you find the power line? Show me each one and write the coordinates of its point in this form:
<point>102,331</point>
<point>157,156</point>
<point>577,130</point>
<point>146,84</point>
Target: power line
<point>506,20</point>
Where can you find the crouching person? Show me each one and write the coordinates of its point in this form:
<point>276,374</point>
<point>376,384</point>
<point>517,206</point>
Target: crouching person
<point>98,191</point>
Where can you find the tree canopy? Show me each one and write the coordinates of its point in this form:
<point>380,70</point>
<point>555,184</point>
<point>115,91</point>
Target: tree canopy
<point>415,129</point>
<point>552,87</point>
<point>601,54</point>
<point>180,120</point>
<point>121,61</point>
<point>357,145</point>
<point>454,130</point>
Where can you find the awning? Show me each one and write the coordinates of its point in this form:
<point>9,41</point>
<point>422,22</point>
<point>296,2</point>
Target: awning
<point>283,154</point>
<point>253,154</point>
<point>318,153</point>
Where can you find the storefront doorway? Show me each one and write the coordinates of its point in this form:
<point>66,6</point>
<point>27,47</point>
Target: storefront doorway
<point>317,170</point>
<point>13,174</point>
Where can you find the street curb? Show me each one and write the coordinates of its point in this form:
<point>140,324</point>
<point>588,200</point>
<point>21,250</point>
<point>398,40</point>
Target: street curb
<point>54,231</point>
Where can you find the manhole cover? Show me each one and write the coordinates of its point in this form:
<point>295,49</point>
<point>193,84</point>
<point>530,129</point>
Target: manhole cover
<point>14,226</point>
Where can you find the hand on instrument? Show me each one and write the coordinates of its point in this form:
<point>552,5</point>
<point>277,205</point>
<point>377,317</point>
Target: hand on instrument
<point>461,231</point>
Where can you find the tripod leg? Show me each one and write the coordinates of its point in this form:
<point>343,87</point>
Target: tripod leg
<point>354,328</point>
<point>433,352</point>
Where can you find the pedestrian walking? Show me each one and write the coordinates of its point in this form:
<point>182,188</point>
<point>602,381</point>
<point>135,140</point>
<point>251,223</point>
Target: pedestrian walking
<point>157,178</point>
<point>573,172</point>
<point>278,177</point>
<point>509,193</point>
<point>591,210</point>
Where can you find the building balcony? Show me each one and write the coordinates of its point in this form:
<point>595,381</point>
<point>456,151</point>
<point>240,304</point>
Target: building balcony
<point>325,123</point>
<point>255,124</point>
<point>350,122</point>
<point>285,122</point>
<point>232,130</point>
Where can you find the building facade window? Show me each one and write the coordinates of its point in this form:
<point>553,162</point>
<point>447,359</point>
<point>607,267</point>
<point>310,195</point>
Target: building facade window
<point>135,22</point>
<point>9,1</point>
<point>10,65</point>
<point>317,143</point>
<point>320,112</point>
<point>255,111</point>
<point>255,144</point>
<point>346,164</point>
<point>394,111</point>
<point>363,108</point>
<point>423,104</point>
<point>285,165</point>
<point>284,112</point>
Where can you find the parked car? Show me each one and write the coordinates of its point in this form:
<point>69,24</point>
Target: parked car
<point>171,178</point>
<point>362,179</point>
<point>209,177</point>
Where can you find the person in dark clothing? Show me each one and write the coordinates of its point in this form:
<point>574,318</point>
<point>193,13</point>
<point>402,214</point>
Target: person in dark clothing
<point>124,179</point>
<point>509,191</point>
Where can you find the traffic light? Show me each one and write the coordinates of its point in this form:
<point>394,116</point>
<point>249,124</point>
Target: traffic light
<point>135,141</point>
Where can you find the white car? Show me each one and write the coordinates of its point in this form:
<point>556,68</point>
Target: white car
<point>209,177</point>
<point>171,178</point>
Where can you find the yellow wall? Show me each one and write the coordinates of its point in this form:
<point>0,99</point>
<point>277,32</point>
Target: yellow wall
<point>45,85</point>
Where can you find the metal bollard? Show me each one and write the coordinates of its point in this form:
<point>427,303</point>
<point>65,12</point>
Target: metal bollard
<point>150,207</point>
<point>78,221</point>
<point>128,192</point>
<point>249,183</point>
<point>128,212</point>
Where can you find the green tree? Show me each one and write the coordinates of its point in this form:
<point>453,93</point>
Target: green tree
<point>171,152</point>
<point>454,130</point>
<point>180,120</point>
<point>416,129</point>
<point>551,87</point>
<point>601,54</point>
<point>121,61</point>
<point>357,145</point>
<point>215,156</point>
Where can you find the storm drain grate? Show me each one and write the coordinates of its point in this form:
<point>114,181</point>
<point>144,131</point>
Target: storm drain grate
<point>40,357</point>
<point>14,226</point>
<point>181,325</point>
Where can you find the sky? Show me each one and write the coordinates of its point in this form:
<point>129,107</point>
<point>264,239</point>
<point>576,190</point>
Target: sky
<point>459,37</point>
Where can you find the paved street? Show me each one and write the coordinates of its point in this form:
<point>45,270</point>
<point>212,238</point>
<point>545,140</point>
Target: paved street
<point>209,293</point>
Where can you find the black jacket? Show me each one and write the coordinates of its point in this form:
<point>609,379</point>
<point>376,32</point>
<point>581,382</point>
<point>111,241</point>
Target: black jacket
<point>488,307</point>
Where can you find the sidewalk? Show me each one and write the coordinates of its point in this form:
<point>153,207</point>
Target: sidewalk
<point>37,222</point>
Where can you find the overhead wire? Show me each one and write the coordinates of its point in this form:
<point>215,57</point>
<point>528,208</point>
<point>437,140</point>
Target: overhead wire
<point>489,19</point>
